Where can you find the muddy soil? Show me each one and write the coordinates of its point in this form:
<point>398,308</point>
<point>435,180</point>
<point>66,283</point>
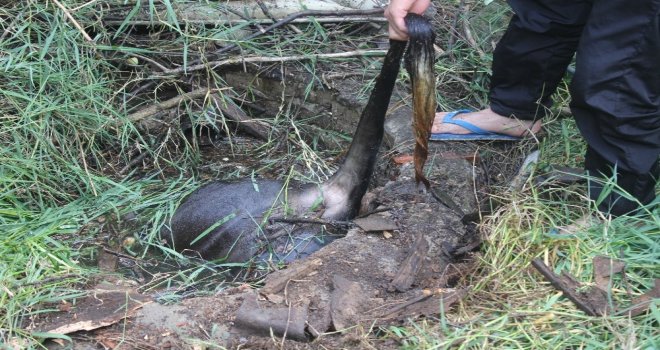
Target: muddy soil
<point>403,261</point>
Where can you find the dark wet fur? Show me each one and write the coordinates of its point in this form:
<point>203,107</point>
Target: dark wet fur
<point>419,64</point>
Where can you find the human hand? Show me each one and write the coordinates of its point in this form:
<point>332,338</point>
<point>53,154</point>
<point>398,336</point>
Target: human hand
<point>397,10</point>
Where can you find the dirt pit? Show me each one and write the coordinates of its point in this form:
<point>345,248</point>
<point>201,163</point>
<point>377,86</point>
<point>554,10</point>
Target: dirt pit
<point>404,260</point>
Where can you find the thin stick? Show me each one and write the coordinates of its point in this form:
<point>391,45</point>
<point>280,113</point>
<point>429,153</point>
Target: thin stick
<point>267,13</point>
<point>240,60</point>
<point>153,109</point>
<point>73,20</point>
<point>89,176</point>
<point>118,254</point>
<point>142,156</point>
<point>84,5</point>
<point>292,17</point>
<point>246,20</point>
<point>568,290</point>
<point>141,88</point>
<point>468,34</point>
<point>453,31</point>
<point>150,60</point>
<point>311,221</point>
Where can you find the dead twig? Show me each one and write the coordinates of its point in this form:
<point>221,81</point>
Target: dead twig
<point>233,112</point>
<point>468,33</point>
<point>89,176</point>
<point>141,157</point>
<point>245,18</point>
<point>310,221</point>
<point>150,60</point>
<point>73,21</point>
<point>289,19</point>
<point>91,2</point>
<point>453,31</point>
<point>569,287</point>
<point>155,108</point>
<point>257,22</point>
<point>242,60</point>
<point>264,9</point>
<point>134,162</point>
<point>121,255</point>
<point>267,13</point>
<point>425,295</point>
<point>229,110</point>
<point>426,303</point>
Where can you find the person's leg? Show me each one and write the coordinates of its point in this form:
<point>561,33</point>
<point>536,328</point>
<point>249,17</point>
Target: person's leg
<point>531,59</point>
<point>616,99</point>
<point>640,186</point>
<point>528,64</point>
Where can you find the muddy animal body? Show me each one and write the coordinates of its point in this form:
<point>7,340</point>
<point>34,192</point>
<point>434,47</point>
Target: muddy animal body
<point>224,219</point>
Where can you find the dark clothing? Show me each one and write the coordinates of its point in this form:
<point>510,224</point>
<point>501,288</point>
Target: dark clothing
<point>615,91</point>
<point>639,186</point>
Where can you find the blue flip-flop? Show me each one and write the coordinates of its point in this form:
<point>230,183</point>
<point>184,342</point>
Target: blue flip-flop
<point>476,133</point>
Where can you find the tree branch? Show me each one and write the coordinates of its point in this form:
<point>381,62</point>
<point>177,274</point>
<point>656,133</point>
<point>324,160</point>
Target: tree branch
<point>155,108</point>
<point>241,60</point>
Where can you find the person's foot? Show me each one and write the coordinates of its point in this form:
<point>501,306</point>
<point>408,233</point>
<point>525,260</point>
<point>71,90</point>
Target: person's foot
<point>488,120</point>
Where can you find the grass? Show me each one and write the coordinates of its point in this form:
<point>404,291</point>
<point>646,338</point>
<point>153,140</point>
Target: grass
<point>65,138</point>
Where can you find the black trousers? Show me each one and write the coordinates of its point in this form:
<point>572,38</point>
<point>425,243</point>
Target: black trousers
<point>615,92</point>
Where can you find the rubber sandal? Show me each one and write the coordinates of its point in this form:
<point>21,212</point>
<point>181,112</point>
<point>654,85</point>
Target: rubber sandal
<point>476,133</point>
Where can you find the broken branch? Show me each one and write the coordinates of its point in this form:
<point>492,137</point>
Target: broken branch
<point>153,109</point>
<point>567,285</point>
<point>241,60</point>
<point>294,16</point>
<point>426,303</point>
<point>73,21</point>
<point>310,221</point>
<point>233,112</point>
<point>255,21</point>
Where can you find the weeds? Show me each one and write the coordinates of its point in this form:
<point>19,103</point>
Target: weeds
<point>66,140</point>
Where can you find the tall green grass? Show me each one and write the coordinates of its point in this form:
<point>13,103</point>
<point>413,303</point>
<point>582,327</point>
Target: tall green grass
<point>57,125</point>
